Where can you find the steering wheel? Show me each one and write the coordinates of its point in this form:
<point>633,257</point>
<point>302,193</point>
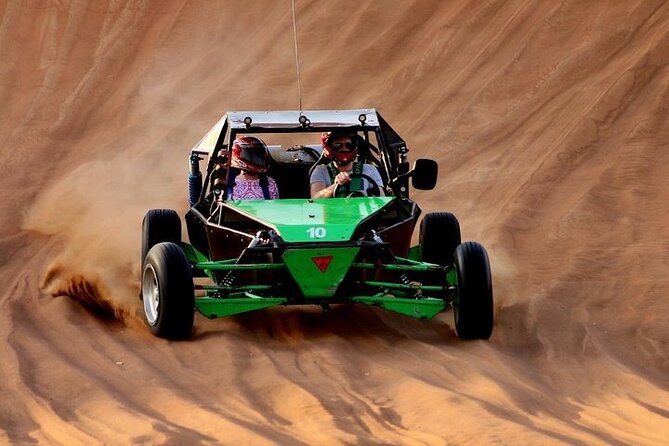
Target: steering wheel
<point>373,191</point>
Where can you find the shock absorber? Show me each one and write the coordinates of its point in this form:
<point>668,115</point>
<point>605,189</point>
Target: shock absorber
<point>415,292</point>
<point>194,179</point>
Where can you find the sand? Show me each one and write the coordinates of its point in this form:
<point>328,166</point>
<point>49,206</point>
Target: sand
<point>548,119</point>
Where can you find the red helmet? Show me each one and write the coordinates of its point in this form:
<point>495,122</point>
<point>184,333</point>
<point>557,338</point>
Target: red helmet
<point>250,154</point>
<point>341,153</point>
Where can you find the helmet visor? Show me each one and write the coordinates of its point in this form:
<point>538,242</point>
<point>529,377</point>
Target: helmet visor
<point>253,156</point>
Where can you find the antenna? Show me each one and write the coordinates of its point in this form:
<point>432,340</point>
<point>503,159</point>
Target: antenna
<point>297,58</point>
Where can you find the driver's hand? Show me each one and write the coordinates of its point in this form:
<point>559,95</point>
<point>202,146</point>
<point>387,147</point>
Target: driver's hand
<point>342,178</point>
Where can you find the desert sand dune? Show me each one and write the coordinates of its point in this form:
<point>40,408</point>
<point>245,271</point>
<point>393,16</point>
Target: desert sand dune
<point>548,118</point>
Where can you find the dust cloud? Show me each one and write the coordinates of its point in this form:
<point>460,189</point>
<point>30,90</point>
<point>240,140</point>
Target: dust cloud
<point>548,119</point>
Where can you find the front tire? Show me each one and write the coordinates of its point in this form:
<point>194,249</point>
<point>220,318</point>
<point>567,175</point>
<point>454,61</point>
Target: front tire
<point>473,309</point>
<point>168,292</point>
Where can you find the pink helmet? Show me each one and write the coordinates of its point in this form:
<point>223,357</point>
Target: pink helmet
<point>250,154</point>
<point>341,153</point>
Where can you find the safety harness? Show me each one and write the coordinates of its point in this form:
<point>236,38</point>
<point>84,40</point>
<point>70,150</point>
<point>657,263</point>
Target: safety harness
<point>354,184</point>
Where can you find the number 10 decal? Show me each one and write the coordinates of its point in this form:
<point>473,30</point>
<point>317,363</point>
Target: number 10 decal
<point>316,232</point>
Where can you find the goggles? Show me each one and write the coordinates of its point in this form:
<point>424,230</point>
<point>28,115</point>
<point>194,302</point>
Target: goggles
<point>339,146</point>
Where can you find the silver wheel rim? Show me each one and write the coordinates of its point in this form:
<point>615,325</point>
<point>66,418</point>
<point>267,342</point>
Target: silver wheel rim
<point>150,294</point>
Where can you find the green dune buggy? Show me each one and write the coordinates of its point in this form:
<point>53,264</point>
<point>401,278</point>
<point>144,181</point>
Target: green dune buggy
<point>248,255</point>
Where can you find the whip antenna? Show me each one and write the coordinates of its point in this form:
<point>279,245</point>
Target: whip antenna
<point>297,58</point>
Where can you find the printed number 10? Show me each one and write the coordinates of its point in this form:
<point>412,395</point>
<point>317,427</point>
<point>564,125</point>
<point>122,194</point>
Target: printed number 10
<point>316,232</point>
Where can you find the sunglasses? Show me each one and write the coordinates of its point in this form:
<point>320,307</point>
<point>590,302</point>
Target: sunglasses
<point>337,146</point>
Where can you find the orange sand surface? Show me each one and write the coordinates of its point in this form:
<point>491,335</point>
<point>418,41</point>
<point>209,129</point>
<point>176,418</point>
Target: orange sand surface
<point>550,121</point>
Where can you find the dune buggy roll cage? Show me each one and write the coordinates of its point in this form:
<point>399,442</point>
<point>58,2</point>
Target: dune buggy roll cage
<point>215,144</point>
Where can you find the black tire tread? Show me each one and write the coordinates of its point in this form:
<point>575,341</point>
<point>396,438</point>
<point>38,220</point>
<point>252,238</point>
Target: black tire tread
<point>439,236</point>
<point>474,310</point>
<point>159,225</point>
<point>176,309</point>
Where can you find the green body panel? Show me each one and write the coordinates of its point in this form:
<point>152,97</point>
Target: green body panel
<point>213,308</point>
<point>319,271</point>
<point>314,282</point>
<point>415,253</point>
<point>425,308</point>
<point>323,219</point>
<point>452,277</point>
<point>192,254</point>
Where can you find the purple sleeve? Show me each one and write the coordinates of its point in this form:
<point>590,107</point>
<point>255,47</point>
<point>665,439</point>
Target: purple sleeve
<point>273,189</point>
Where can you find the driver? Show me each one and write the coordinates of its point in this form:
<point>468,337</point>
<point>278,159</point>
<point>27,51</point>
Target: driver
<point>342,148</point>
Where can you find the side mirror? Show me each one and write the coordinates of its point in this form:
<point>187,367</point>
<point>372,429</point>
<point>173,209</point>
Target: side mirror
<point>424,174</point>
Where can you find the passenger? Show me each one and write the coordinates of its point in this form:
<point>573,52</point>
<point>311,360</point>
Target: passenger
<point>342,148</point>
<point>248,177</point>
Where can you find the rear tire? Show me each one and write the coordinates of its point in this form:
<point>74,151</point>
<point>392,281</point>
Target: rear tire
<point>439,236</point>
<point>159,225</point>
<point>168,292</point>
<point>473,309</point>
